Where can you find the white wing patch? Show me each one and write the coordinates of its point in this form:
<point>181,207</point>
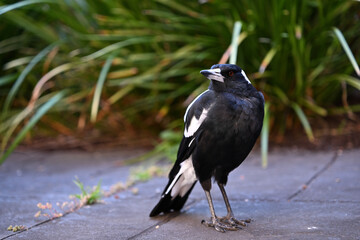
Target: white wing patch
<point>188,108</point>
<point>244,75</point>
<point>191,142</point>
<point>184,180</point>
<point>195,123</point>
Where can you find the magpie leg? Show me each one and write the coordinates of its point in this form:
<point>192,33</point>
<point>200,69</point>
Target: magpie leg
<point>229,218</point>
<point>215,222</point>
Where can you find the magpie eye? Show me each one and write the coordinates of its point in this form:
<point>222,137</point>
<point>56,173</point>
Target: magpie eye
<point>231,73</point>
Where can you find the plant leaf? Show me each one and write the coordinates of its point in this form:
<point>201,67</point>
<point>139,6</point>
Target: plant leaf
<point>234,42</point>
<point>99,87</point>
<point>267,59</point>
<point>7,79</point>
<point>265,136</point>
<point>304,121</point>
<point>14,89</point>
<point>347,50</point>
<point>38,114</point>
<point>11,7</point>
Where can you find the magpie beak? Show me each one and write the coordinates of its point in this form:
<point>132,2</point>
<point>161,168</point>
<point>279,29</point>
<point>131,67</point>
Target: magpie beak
<point>213,74</point>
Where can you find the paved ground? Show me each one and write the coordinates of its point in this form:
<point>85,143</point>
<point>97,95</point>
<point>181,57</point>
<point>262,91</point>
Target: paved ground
<point>301,195</point>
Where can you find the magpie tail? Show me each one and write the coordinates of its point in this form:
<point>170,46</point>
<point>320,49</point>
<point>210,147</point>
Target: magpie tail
<point>182,179</point>
<point>168,203</point>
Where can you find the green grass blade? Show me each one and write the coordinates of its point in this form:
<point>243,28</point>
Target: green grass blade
<point>14,89</point>
<point>11,124</point>
<point>304,121</point>
<point>30,25</point>
<point>267,59</point>
<point>234,42</point>
<point>180,7</point>
<point>58,70</point>
<point>121,93</point>
<point>99,87</point>
<point>265,137</point>
<point>338,78</point>
<point>350,80</point>
<point>347,50</point>
<point>315,108</point>
<point>4,80</point>
<point>16,63</point>
<point>114,47</point>
<point>39,113</point>
<point>80,185</point>
<point>342,110</point>
<point>281,95</point>
<point>11,7</point>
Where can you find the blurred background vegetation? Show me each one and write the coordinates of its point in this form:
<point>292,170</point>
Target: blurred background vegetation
<point>87,73</point>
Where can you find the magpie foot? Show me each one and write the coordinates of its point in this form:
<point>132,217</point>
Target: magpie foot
<point>230,220</point>
<point>220,226</point>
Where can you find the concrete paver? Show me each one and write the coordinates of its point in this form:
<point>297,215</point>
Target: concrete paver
<point>340,182</point>
<point>301,195</point>
<point>271,220</point>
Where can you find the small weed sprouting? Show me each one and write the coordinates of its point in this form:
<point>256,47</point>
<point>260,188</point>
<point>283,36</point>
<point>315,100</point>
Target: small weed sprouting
<point>88,197</point>
<point>137,174</point>
<point>16,228</point>
<point>91,196</point>
<point>51,212</point>
<point>142,174</point>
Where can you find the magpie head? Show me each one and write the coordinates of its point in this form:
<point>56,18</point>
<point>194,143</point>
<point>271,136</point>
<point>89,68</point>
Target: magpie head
<point>226,76</point>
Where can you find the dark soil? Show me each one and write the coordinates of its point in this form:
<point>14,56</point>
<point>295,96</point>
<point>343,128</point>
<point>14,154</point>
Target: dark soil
<point>335,132</point>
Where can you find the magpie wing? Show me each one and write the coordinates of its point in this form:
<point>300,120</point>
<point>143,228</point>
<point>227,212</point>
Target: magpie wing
<point>182,177</point>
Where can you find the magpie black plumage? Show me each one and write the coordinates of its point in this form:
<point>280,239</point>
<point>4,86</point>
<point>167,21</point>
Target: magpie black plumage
<point>221,127</point>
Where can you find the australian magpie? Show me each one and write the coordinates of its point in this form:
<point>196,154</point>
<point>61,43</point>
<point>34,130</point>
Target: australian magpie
<point>221,127</point>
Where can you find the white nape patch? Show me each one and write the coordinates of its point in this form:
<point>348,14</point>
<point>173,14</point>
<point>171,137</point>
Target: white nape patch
<point>195,123</point>
<point>186,177</point>
<point>244,75</point>
<point>188,108</point>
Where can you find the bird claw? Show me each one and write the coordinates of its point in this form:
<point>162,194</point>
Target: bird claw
<point>221,226</point>
<point>234,222</point>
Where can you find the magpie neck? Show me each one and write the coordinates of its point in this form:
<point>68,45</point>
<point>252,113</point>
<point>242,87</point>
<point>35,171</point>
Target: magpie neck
<point>240,89</point>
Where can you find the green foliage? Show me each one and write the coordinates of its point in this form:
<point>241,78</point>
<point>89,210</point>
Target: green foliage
<point>136,62</point>
<point>169,144</point>
<point>99,87</point>
<point>142,174</point>
<point>347,49</point>
<point>265,137</point>
<point>29,125</point>
<point>88,196</point>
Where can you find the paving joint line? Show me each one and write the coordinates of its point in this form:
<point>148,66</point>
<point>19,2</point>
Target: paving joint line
<point>41,223</point>
<point>39,159</point>
<point>316,175</point>
<point>167,218</point>
<point>27,229</point>
<point>326,201</point>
